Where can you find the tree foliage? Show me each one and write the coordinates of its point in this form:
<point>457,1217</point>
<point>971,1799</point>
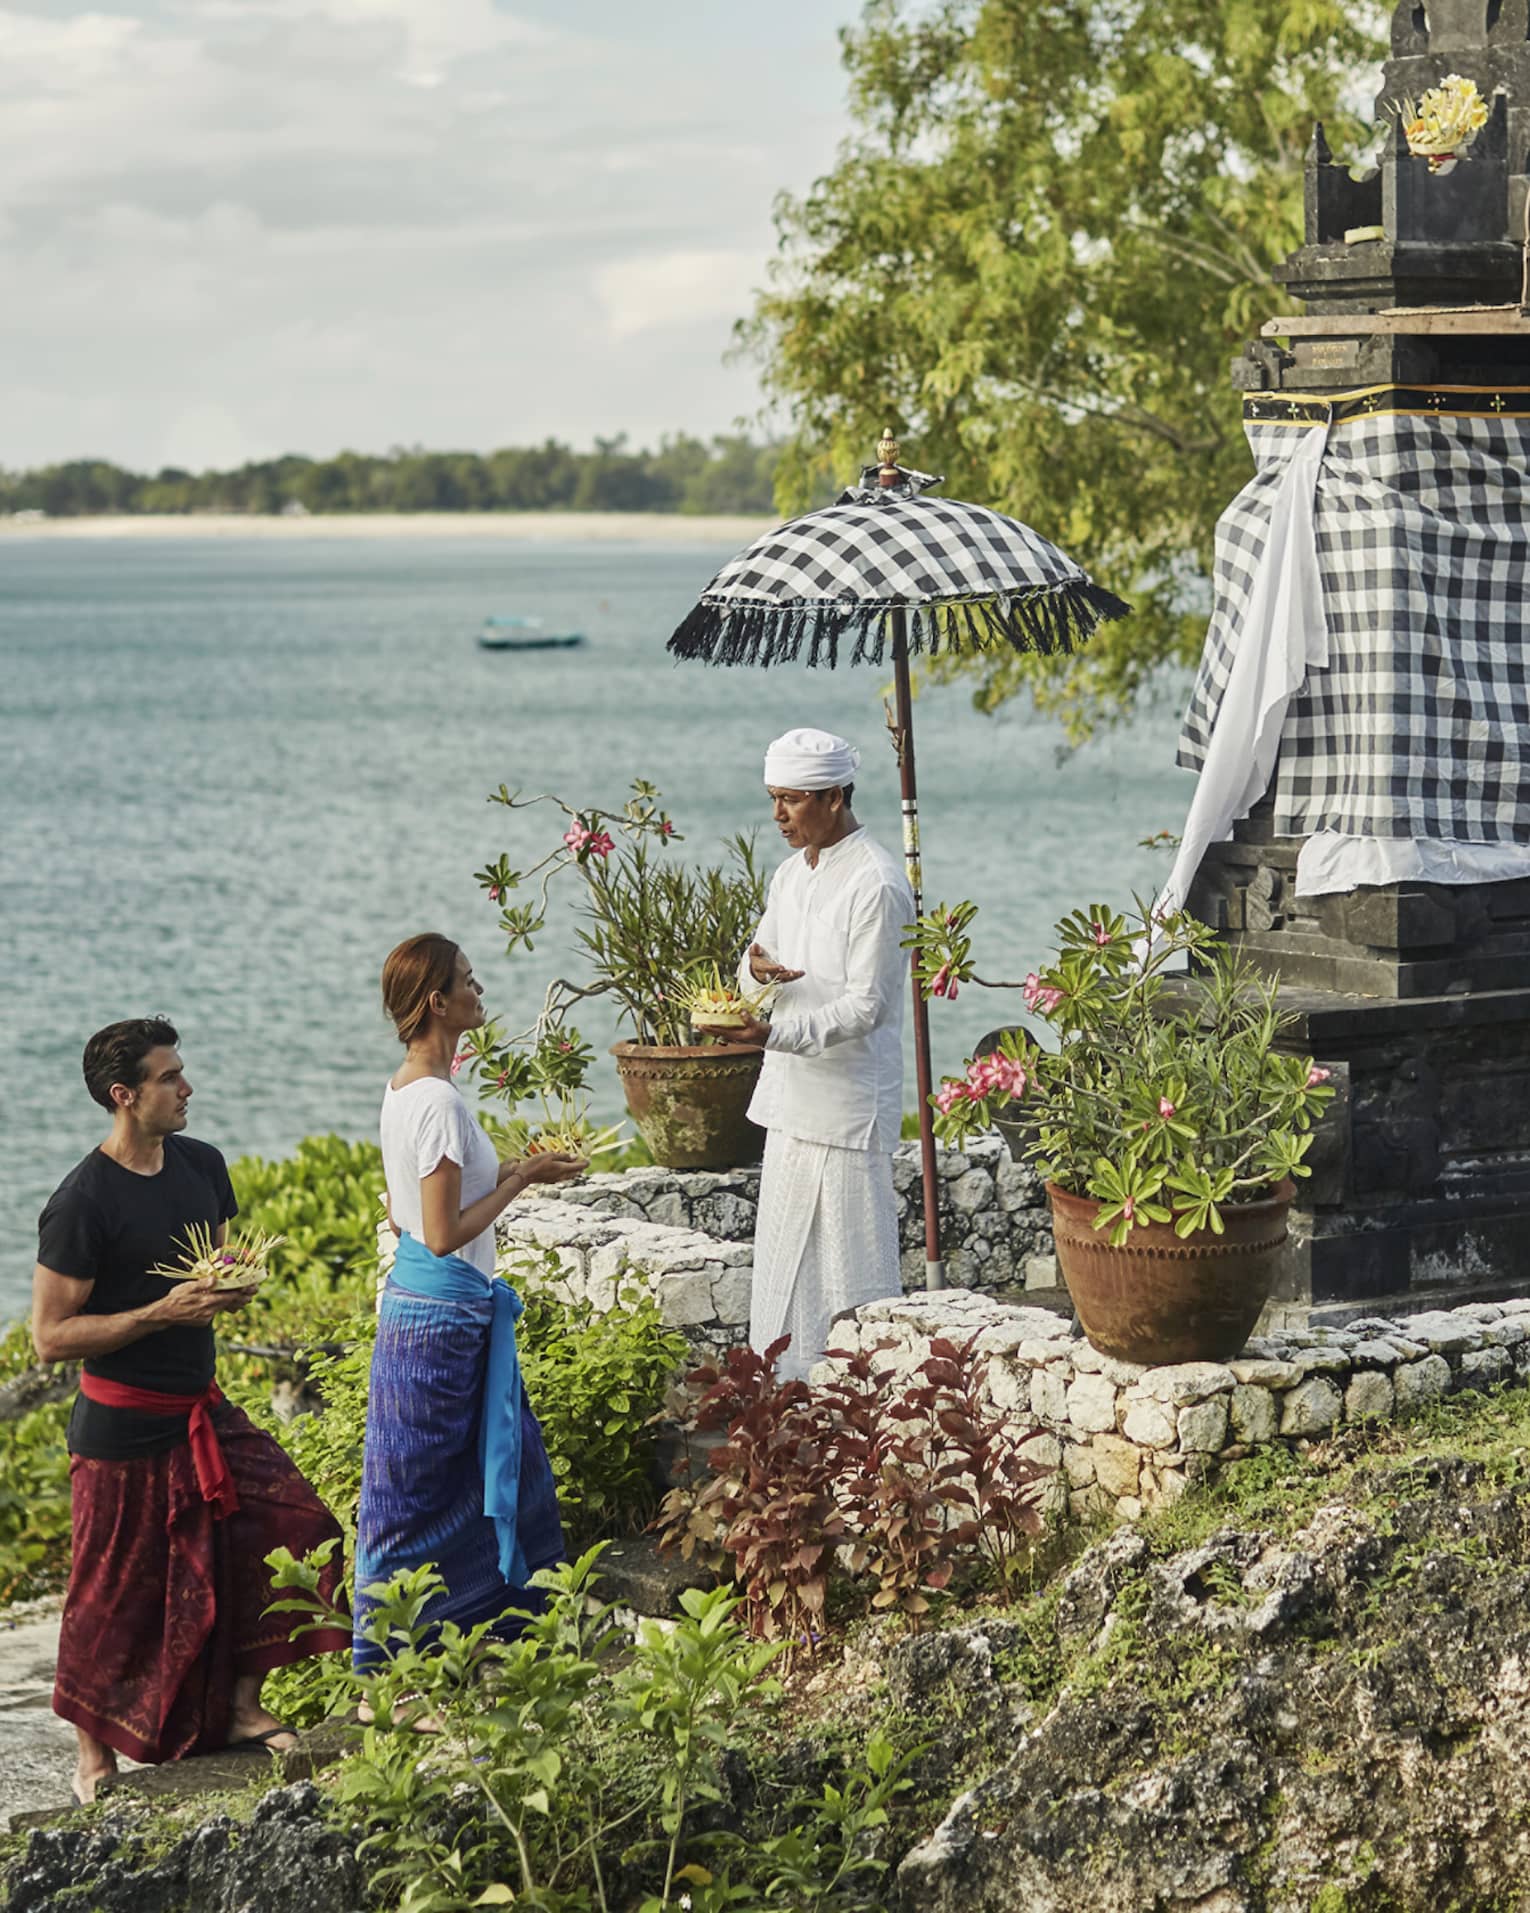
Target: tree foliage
<point>728,474</point>
<point>1052,227</point>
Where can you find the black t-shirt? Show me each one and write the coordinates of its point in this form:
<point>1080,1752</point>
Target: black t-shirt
<point>107,1225</point>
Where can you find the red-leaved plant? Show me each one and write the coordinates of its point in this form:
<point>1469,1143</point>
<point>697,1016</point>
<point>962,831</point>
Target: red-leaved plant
<point>895,1476</point>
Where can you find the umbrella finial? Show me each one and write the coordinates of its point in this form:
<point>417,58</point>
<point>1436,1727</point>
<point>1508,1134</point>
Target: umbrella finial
<point>887,451</point>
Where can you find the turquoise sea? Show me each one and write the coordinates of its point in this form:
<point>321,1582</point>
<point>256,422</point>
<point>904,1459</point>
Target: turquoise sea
<point>237,771</point>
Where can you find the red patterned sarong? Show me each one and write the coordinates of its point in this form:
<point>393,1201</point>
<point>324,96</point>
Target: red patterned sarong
<point>166,1601</point>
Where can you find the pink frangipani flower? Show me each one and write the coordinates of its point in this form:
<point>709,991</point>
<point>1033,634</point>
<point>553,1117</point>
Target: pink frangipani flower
<point>941,980</point>
<point>576,837</point>
<point>1165,1108</point>
<point>1316,1076</point>
<point>1040,996</point>
<point>1102,934</point>
<point>599,843</point>
<point>459,1059</point>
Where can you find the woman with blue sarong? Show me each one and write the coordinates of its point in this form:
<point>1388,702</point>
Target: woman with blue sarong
<point>454,1470</point>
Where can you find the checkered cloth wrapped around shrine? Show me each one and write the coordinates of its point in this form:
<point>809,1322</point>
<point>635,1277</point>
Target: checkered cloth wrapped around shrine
<point>1419,725</point>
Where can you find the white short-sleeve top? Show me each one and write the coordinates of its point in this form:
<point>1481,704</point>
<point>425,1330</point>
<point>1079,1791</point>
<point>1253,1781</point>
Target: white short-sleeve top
<point>422,1124</point>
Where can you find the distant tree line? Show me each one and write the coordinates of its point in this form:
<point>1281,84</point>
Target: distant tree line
<point>725,474</point>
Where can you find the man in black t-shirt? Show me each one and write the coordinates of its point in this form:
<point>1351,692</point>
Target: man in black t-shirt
<point>177,1497</point>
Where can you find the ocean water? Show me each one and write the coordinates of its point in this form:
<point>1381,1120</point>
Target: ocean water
<point>235,773</point>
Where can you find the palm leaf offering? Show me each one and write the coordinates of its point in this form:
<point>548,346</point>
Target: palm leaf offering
<point>569,1132</point>
<point>241,1262</point>
<point>714,1002</point>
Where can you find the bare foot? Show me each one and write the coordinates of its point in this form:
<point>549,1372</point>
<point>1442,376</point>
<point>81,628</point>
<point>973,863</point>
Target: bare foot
<point>87,1778</point>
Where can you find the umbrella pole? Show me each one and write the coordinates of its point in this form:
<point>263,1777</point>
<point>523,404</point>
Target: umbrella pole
<point>934,1268</point>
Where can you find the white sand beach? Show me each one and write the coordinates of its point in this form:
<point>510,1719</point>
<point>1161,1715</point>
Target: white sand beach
<point>571,527</point>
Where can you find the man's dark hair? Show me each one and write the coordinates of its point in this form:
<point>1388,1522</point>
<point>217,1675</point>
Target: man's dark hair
<point>115,1054</point>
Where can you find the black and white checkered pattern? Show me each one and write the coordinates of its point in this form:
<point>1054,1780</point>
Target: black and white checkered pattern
<point>909,552</point>
<point>877,569</point>
<point>1420,725</point>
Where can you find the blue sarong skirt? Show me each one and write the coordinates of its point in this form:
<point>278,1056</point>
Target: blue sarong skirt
<point>454,1469</point>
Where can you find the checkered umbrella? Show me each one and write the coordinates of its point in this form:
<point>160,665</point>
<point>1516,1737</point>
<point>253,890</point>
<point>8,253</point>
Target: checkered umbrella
<point>883,573</point>
<point>884,559</point>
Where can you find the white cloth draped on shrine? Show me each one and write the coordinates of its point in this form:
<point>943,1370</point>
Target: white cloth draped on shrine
<point>826,1240</point>
<point>1366,658</point>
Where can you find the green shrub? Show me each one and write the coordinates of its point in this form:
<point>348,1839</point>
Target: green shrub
<point>17,1354</point>
<point>34,1503</point>
<point>577,1768</point>
<point>596,1378</point>
<point>326,1200</point>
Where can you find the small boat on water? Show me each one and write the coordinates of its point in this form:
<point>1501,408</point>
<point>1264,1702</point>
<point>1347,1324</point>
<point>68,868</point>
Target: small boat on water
<point>525,634</point>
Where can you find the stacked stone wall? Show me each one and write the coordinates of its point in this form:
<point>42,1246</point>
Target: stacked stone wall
<point>1127,1438</point>
<point>688,1235</point>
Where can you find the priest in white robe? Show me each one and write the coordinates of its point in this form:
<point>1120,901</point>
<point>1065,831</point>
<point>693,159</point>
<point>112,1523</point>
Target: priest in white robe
<point>830,1094</point>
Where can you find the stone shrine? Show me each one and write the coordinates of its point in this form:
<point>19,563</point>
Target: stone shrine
<point>1415,994</point>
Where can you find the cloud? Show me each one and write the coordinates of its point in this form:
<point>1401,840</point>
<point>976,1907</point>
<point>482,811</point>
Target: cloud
<point>327,222</point>
<point>675,288</point>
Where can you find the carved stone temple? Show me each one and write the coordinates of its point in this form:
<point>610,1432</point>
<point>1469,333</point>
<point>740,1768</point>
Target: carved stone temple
<point>1415,993</point>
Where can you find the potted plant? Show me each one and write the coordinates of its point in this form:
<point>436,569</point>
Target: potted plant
<point>649,926</point>
<point>1168,1122</point>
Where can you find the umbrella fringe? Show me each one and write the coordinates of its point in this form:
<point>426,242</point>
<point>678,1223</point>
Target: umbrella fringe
<point>1053,620</point>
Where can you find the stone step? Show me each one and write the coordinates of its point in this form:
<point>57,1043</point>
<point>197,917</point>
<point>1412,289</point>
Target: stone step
<point>226,1771</point>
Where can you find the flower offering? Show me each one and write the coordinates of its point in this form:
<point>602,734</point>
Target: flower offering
<point>1443,123</point>
<point>242,1262</point>
<point>716,1004</point>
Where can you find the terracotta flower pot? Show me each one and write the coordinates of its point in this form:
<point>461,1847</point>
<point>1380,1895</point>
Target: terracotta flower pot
<point>689,1102</point>
<point>1162,1298</point>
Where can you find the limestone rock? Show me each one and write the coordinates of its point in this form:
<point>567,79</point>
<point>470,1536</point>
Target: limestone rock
<point>1078,1465</point>
<point>972,1192</point>
<point>1369,1397</point>
<point>1482,1367</point>
<point>1311,1408</point>
<point>1387,1774</point>
<point>1018,1186</point>
<point>1185,1382</point>
<point>1252,1414</point>
<point>1418,1383</point>
<point>1203,1426</point>
<point>1049,1397</point>
<point>1265,1374</point>
<point>1150,1424</point>
<point>289,1855</point>
<point>1117,1465</point>
<point>1092,1404</point>
<point>686,1297</point>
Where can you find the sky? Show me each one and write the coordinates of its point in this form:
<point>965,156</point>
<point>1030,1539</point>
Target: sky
<point>235,228</point>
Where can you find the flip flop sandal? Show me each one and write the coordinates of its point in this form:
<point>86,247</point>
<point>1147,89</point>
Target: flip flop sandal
<point>261,1743</point>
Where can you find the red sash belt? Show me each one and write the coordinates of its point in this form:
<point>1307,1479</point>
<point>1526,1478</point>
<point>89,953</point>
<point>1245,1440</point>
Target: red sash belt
<point>212,1471</point>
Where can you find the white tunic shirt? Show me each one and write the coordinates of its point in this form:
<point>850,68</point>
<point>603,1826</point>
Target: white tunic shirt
<point>833,1067</point>
<point>422,1124</point>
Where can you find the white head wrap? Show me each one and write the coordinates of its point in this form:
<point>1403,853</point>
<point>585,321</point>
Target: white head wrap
<point>811,760</point>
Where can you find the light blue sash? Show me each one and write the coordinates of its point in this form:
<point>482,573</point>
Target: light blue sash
<point>449,1278</point>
